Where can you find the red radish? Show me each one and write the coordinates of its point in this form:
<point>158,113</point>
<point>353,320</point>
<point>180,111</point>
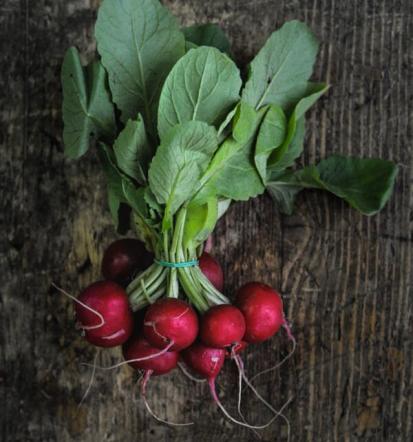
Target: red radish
<point>212,270</point>
<point>236,349</point>
<point>103,311</point>
<point>169,321</point>
<point>123,258</point>
<point>262,308</point>
<point>139,348</point>
<point>206,361</point>
<point>141,355</point>
<point>222,325</point>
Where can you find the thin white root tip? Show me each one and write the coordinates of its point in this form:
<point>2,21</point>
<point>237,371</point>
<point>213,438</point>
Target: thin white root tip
<point>282,362</point>
<point>144,383</point>
<point>222,408</point>
<point>277,413</point>
<point>145,358</point>
<point>73,298</point>
<point>92,378</point>
<point>188,374</point>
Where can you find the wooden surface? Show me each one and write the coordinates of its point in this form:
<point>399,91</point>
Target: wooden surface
<point>346,279</point>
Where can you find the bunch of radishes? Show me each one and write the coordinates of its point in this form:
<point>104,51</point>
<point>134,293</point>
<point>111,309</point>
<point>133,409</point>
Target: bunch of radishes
<point>157,337</point>
<point>180,136</point>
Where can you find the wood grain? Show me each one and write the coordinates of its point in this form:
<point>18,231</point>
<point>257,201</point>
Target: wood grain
<point>346,279</point>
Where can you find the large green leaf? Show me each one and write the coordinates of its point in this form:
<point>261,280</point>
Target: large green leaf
<point>292,147</point>
<point>271,135</point>
<point>133,151</point>
<point>139,42</point>
<point>178,164</point>
<point>366,184</point>
<point>231,173</point>
<point>87,109</point>
<point>279,72</point>
<point>203,85</point>
<point>207,34</point>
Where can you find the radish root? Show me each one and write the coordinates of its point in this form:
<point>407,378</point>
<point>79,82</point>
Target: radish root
<point>144,383</point>
<point>285,359</point>
<point>188,374</point>
<point>92,378</point>
<point>73,298</point>
<point>277,413</point>
<point>145,358</point>
<point>211,383</point>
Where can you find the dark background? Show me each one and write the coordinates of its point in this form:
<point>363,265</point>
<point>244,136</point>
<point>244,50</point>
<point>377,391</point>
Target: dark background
<point>346,279</point>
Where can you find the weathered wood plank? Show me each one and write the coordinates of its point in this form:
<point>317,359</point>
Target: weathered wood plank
<point>346,279</point>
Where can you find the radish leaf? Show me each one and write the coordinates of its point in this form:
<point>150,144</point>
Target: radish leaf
<point>87,109</point>
<point>203,85</point>
<point>139,42</point>
<point>279,72</point>
<point>270,137</point>
<point>292,147</point>
<point>207,34</point>
<point>201,220</point>
<point>365,184</point>
<point>231,173</point>
<point>178,164</point>
<point>133,151</point>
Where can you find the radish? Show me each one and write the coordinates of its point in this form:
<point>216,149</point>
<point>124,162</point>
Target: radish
<point>205,361</point>
<point>170,321</point>
<point>141,355</point>
<point>208,362</point>
<point>262,308</point>
<point>123,258</point>
<point>212,270</point>
<point>222,326</point>
<point>103,311</point>
<point>139,348</point>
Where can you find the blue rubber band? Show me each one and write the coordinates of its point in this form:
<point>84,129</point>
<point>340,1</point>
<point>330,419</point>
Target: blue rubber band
<point>177,265</point>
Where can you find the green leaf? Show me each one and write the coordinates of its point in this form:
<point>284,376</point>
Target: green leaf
<point>223,206</point>
<point>113,181</point>
<point>87,109</point>
<point>133,151</point>
<point>207,34</point>
<point>178,164</point>
<point>201,220</point>
<point>270,136</point>
<point>283,193</point>
<point>203,85</point>
<point>279,72</point>
<point>145,229</point>
<point>139,42</point>
<point>232,173</point>
<point>135,197</point>
<point>292,146</point>
<point>365,184</point>
<point>224,127</point>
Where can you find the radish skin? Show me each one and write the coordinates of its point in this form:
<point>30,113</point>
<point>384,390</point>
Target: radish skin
<point>212,270</point>
<point>222,326</point>
<point>170,320</point>
<point>107,301</point>
<point>262,308</point>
